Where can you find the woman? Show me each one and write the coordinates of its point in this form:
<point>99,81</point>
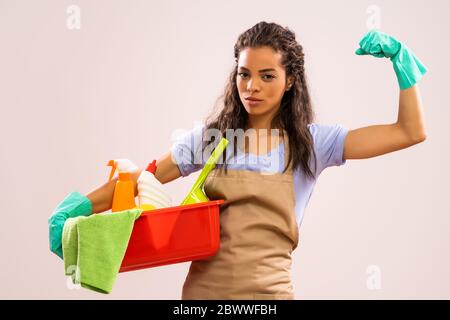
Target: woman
<point>265,202</point>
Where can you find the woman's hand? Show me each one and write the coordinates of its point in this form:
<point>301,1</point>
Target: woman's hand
<point>376,140</point>
<point>408,68</point>
<point>74,205</point>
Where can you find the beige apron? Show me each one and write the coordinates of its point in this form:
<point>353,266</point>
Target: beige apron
<point>258,233</point>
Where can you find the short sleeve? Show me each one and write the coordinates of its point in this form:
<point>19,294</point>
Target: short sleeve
<point>329,143</point>
<point>187,151</point>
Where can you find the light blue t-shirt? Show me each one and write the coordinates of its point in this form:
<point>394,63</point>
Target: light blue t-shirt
<point>328,145</point>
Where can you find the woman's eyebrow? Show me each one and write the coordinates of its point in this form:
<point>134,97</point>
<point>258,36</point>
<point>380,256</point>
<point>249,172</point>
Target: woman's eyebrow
<point>262,70</point>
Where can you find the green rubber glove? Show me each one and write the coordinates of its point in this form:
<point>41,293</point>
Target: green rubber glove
<point>407,66</point>
<point>74,205</point>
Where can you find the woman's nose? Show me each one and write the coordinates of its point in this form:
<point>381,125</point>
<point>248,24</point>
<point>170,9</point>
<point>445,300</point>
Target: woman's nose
<point>252,85</point>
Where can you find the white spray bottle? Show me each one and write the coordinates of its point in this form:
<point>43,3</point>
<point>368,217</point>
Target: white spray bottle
<point>151,192</point>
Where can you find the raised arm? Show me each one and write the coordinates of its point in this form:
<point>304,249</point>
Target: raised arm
<point>376,140</point>
<point>409,129</point>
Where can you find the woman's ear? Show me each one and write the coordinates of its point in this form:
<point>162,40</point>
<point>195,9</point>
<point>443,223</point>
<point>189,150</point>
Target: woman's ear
<point>289,83</point>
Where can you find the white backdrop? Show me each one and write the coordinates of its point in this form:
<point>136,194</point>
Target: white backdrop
<point>135,72</point>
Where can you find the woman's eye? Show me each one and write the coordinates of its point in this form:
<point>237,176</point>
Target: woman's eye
<point>266,76</point>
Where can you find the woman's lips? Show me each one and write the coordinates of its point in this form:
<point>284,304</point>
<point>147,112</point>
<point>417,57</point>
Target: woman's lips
<point>253,103</point>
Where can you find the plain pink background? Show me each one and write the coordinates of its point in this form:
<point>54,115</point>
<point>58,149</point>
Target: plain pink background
<point>139,72</point>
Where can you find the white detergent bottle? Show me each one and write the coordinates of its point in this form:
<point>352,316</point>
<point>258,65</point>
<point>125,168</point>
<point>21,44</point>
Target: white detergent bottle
<point>151,193</point>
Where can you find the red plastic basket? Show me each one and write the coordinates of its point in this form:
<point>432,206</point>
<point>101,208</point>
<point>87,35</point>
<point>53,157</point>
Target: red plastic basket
<point>173,235</point>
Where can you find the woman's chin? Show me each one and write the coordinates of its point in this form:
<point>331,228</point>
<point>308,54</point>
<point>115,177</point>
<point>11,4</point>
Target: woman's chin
<point>255,111</point>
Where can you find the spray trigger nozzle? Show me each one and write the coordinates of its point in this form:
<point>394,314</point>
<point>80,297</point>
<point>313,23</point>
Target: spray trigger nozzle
<point>113,169</point>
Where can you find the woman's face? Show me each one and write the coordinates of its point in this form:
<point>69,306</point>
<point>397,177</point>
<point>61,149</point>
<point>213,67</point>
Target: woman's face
<point>261,76</point>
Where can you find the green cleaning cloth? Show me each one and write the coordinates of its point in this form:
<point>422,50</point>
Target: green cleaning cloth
<point>94,247</point>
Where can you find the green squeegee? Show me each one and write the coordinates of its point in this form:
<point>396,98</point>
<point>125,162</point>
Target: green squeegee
<point>197,195</point>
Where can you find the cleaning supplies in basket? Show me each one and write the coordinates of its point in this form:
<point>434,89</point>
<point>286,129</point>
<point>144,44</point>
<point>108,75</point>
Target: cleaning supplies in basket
<point>151,193</point>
